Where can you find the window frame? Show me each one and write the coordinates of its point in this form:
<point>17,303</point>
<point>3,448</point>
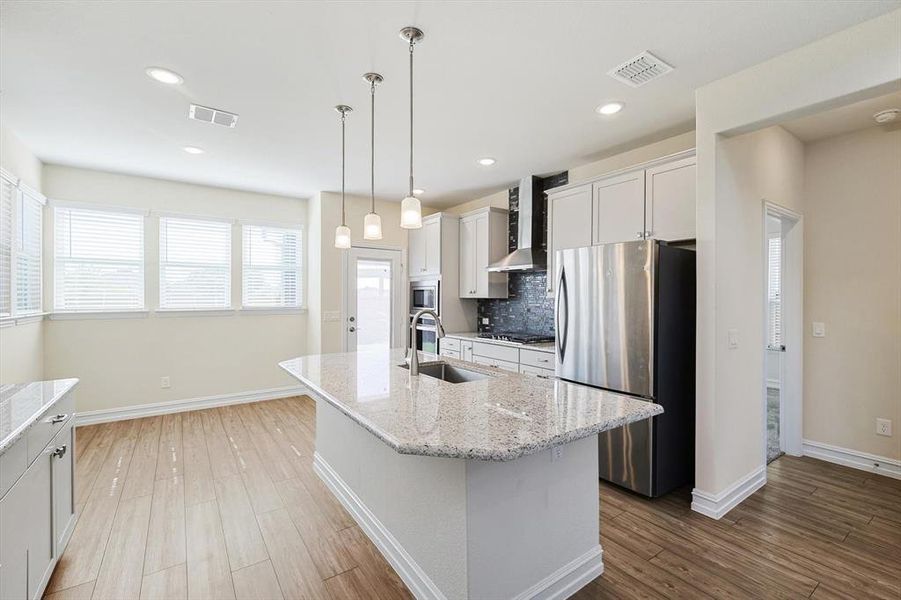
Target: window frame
<point>64,314</point>
<point>197,310</point>
<point>301,267</point>
<point>20,193</point>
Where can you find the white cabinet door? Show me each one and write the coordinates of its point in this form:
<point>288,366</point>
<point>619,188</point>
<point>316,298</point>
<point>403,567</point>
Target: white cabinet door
<point>466,351</point>
<point>63,464</point>
<point>431,231</point>
<point>37,484</point>
<point>481,256</point>
<point>569,224</point>
<point>670,201</point>
<point>468,242</point>
<point>416,252</point>
<point>14,542</point>
<point>619,209</point>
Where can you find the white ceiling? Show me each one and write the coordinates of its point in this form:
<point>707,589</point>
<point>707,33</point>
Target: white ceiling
<point>843,119</point>
<point>516,81</point>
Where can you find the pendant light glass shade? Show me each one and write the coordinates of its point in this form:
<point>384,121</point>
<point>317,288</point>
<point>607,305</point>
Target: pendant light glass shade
<point>342,237</point>
<point>410,213</point>
<point>372,227</point>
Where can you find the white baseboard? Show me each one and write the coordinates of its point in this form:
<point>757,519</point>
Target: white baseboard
<point>174,406</point>
<point>568,579</point>
<point>717,505</point>
<point>855,459</point>
<point>410,572</point>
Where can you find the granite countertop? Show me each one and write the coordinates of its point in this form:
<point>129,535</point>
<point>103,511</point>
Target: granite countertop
<point>22,404</point>
<point>499,418</point>
<point>474,336</point>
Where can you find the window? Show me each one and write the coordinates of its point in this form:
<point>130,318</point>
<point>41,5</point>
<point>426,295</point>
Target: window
<point>774,292</point>
<point>195,264</point>
<point>273,275</point>
<point>21,218</point>
<point>98,260</point>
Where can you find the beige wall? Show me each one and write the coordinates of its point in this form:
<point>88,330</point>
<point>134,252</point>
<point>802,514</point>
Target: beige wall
<point>121,361</point>
<point>22,345</point>
<point>852,64</point>
<point>326,295</point>
<point>852,283</point>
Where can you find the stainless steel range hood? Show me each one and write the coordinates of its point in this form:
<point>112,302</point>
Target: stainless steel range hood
<point>528,256</point>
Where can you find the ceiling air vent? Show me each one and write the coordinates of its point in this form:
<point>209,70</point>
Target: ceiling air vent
<point>639,70</point>
<point>212,115</point>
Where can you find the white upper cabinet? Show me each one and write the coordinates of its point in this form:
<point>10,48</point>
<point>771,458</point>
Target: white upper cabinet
<point>416,250</point>
<point>425,248</point>
<point>619,209</point>
<point>670,200</point>
<point>483,240</point>
<point>569,224</point>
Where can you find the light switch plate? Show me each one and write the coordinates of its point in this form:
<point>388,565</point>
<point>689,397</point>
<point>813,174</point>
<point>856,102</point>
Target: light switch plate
<point>165,383</point>
<point>819,329</point>
<point>884,427</point>
<point>733,338</point>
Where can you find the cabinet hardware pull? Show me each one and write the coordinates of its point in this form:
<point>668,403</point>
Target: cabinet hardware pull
<point>56,419</point>
<point>59,451</point>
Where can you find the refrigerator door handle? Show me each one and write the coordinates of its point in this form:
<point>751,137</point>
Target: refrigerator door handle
<point>562,306</point>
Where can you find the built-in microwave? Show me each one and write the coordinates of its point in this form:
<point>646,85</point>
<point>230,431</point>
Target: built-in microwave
<point>423,294</point>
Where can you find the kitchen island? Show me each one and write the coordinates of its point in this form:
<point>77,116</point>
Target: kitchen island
<point>486,488</point>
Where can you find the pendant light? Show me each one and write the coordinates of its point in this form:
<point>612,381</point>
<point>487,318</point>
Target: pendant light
<point>410,208</point>
<point>372,223</point>
<point>342,232</point>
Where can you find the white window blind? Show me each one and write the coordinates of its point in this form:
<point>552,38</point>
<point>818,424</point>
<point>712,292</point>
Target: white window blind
<point>273,273</point>
<point>98,260</point>
<point>29,213</point>
<point>774,292</point>
<point>195,264</point>
<point>8,194</point>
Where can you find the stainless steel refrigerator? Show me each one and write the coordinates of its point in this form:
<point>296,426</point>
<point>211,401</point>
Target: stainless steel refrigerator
<point>625,321</point>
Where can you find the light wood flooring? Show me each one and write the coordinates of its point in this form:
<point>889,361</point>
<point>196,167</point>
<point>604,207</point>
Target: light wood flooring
<point>223,503</point>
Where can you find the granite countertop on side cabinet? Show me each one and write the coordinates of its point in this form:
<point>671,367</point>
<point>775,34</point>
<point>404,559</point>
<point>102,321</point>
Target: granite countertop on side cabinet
<point>23,404</point>
<point>474,336</point>
<point>498,418</point>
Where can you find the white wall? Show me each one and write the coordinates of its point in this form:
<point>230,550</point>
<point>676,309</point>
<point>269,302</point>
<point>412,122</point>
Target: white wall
<point>121,361</point>
<point>326,292</point>
<point>852,283</point>
<point>22,345</point>
<point>856,63</point>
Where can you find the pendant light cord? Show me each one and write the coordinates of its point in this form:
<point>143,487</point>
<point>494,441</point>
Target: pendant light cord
<point>411,117</point>
<point>343,213</point>
<point>372,149</point>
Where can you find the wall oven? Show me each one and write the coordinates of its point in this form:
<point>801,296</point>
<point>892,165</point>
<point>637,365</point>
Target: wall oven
<point>427,336</point>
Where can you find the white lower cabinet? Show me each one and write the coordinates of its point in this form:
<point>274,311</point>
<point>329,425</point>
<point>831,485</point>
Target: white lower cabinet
<point>538,371</point>
<point>37,515</point>
<point>501,356</point>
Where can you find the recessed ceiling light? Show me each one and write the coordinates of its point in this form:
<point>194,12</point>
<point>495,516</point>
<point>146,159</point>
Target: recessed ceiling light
<point>611,108</point>
<point>164,75</point>
<point>418,192</point>
<point>487,161</point>
<point>193,150</point>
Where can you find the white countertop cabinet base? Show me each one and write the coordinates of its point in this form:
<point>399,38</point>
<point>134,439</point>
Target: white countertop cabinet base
<point>458,529</point>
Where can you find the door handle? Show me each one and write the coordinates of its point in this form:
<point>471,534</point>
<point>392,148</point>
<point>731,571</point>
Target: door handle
<point>562,307</point>
<point>56,419</point>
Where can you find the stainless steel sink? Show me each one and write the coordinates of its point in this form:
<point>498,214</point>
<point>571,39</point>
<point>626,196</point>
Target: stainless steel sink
<point>449,373</point>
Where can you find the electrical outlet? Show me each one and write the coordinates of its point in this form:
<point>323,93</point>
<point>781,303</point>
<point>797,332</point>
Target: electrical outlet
<point>484,320</point>
<point>165,383</point>
<point>732,335</point>
<point>884,427</point>
<point>819,329</point>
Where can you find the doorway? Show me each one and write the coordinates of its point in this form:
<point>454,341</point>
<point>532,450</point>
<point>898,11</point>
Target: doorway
<point>783,301</point>
<point>373,299</point>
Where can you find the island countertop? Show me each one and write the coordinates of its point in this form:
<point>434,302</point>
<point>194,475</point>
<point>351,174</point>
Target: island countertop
<point>499,418</point>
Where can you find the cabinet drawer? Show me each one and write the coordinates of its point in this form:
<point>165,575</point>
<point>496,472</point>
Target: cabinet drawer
<point>496,351</point>
<point>450,343</point>
<point>534,358</point>
<point>450,353</point>
<point>47,426</point>
<point>538,371</point>
<point>12,464</point>
<point>493,362</point>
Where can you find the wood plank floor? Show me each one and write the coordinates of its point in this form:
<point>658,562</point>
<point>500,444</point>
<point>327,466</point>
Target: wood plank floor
<point>223,503</point>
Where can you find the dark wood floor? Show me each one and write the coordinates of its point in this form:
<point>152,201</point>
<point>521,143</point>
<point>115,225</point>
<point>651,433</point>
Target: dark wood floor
<point>816,530</point>
<point>223,503</point>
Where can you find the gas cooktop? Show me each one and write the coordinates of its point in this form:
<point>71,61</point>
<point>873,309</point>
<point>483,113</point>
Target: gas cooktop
<point>517,337</point>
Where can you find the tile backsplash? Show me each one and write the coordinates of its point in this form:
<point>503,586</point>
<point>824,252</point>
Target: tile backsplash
<point>528,309</point>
